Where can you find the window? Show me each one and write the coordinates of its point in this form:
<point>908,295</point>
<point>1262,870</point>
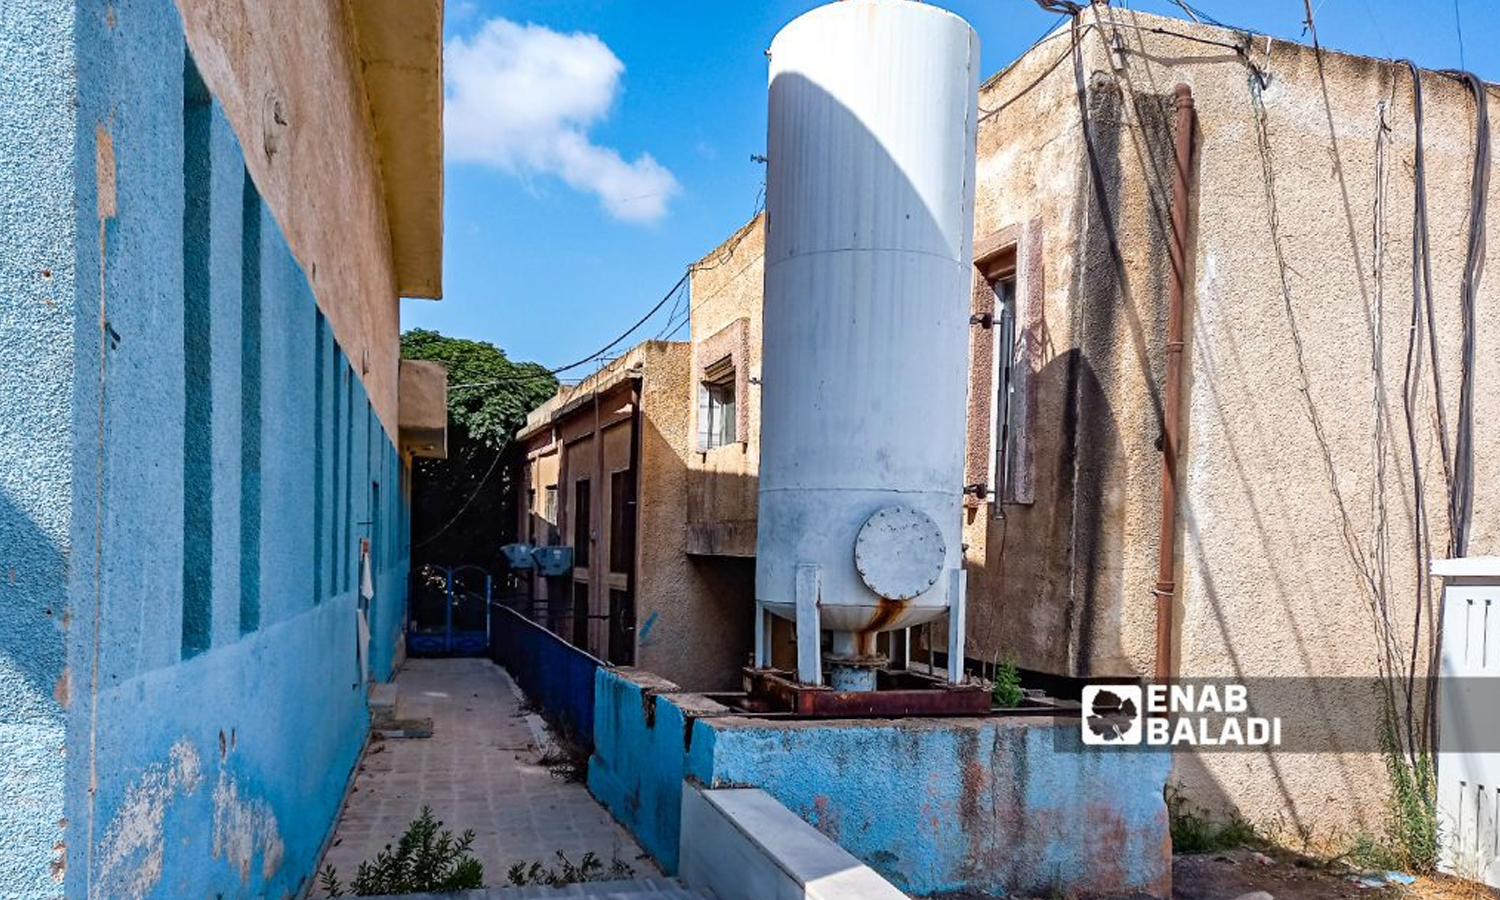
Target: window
<point>621,520</point>
<point>1007,383</point>
<point>549,512</point>
<point>530,514</point>
<point>718,423</point>
<point>1007,294</point>
<point>580,514</point>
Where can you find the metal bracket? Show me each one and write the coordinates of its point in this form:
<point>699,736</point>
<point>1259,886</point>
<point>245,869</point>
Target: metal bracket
<point>958,592</point>
<point>983,320</point>
<point>809,625</point>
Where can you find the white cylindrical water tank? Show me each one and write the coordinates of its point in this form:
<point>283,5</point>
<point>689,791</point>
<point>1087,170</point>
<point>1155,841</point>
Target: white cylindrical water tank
<point>869,219</point>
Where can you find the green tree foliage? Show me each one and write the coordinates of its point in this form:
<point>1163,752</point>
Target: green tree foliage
<point>493,410</point>
<point>463,507</point>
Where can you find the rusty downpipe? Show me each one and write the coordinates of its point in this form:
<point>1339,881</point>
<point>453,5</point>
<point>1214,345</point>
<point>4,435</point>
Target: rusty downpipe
<point>1166,566</point>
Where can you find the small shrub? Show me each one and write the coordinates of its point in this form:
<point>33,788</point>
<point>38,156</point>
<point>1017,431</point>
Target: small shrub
<point>1409,840</point>
<point>1007,689</point>
<point>1193,831</point>
<point>427,859</point>
<point>589,868</point>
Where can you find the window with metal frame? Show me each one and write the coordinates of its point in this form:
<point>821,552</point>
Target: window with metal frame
<point>1007,401</point>
<point>718,422</point>
<point>549,513</point>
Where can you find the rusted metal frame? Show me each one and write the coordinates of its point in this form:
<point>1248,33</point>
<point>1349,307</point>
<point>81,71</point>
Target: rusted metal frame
<point>775,691</point>
<point>1166,587</point>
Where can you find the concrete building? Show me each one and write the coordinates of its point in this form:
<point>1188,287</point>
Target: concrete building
<point>208,212</point>
<point>693,550</point>
<point>1295,551</point>
<point>606,475</point>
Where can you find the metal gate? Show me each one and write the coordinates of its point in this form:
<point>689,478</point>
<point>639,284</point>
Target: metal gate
<point>449,613</point>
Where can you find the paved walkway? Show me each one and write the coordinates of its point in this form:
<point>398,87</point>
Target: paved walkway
<point>478,770</point>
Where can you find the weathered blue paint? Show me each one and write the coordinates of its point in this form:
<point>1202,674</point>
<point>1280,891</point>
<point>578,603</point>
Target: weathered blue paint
<point>251,325</point>
<point>38,274</point>
<point>646,740</point>
<point>197,351</point>
<point>990,805</point>
<point>130,770</point>
<point>557,676</point>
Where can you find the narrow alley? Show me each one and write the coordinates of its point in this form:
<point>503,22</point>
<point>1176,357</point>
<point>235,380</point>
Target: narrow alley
<point>481,769</point>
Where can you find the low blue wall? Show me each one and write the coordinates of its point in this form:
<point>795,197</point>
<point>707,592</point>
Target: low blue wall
<point>555,675</point>
<point>991,805</point>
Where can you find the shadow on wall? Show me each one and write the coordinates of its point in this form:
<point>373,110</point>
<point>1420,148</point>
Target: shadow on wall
<point>34,694</point>
<point>1037,594</point>
<point>694,615</point>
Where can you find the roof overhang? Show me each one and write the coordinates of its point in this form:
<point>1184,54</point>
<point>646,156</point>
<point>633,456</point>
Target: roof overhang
<point>400,50</point>
<point>424,408</point>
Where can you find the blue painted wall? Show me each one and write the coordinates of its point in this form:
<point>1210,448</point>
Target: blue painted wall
<point>987,805</point>
<point>180,705</point>
<point>37,323</point>
<point>555,675</point>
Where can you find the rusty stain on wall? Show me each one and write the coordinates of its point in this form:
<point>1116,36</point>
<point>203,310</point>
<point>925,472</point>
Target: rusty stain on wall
<point>104,172</point>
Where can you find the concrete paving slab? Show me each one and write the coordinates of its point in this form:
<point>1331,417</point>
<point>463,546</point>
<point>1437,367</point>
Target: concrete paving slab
<point>479,771</point>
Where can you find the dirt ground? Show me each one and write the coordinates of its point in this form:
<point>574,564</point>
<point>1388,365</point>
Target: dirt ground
<point>1232,874</point>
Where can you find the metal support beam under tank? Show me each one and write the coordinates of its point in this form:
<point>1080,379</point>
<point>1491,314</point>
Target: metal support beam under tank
<point>809,631</point>
<point>958,603</point>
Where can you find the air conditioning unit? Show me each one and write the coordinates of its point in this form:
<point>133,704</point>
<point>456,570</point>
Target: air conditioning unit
<point>519,556</point>
<point>553,561</point>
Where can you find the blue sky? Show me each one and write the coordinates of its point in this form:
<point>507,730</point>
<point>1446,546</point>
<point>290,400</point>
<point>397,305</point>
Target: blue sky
<point>597,147</point>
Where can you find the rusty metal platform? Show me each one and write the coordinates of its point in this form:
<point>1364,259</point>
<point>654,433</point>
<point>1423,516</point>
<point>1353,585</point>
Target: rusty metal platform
<point>897,693</point>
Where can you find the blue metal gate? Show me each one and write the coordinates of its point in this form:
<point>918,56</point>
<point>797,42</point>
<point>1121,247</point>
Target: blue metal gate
<point>449,612</point>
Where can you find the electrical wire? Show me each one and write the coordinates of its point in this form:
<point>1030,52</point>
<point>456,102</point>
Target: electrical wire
<point>627,332</point>
<point>475,493</point>
<point>1461,492</point>
<point>1458,23</point>
<point>1420,289</point>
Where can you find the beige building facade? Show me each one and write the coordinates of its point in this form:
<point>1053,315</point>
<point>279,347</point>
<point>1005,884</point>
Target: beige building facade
<point>1295,553</point>
<point>608,474</point>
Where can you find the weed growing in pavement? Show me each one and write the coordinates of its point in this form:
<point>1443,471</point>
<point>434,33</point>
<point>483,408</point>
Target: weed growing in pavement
<point>427,859</point>
<point>1195,831</point>
<point>588,868</point>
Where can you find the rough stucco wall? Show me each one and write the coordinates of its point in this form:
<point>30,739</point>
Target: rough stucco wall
<point>217,771</point>
<point>1028,176</point>
<point>693,615</point>
<point>1277,527</point>
<point>294,62</point>
<point>722,482</point>
<point>1274,561</point>
<point>37,319</point>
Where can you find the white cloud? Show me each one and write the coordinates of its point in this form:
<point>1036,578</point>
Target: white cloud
<point>522,98</point>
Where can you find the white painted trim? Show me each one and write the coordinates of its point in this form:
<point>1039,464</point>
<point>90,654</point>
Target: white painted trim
<point>1487,567</point>
<point>741,844</point>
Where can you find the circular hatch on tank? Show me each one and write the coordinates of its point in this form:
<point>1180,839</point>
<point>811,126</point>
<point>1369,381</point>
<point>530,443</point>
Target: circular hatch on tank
<point>899,552</point>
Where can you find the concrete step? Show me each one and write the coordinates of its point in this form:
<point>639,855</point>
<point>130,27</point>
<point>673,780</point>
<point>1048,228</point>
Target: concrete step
<point>383,697</point>
<point>637,889</point>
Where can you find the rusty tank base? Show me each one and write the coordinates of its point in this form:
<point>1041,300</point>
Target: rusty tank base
<point>898,694</point>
